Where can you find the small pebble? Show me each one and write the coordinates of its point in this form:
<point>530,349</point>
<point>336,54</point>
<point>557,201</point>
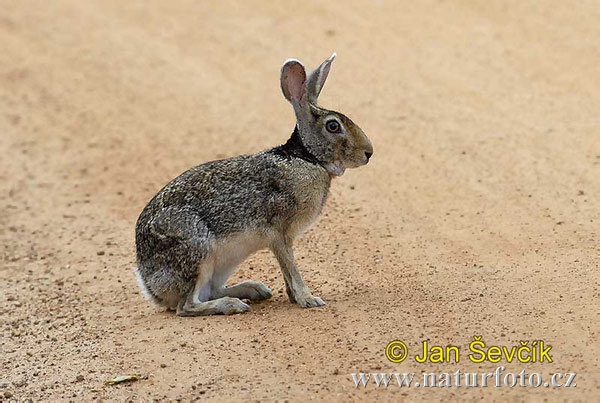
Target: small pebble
<point>20,383</point>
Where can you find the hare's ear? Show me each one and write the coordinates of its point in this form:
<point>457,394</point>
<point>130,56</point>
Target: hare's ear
<point>293,83</point>
<point>317,78</point>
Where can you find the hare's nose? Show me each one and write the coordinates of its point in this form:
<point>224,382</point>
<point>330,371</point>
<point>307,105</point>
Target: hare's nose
<point>368,155</point>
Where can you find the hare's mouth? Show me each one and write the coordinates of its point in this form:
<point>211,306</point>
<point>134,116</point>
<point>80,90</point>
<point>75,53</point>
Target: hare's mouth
<point>335,168</point>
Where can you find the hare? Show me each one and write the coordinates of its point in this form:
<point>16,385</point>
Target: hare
<point>201,225</point>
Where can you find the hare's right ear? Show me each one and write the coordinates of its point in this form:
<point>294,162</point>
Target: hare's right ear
<point>317,78</point>
<point>293,84</point>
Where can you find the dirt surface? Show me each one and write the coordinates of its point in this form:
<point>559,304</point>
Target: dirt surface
<point>478,214</point>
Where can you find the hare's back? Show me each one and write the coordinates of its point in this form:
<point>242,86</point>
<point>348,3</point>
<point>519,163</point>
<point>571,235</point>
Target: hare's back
<point>231,195</point>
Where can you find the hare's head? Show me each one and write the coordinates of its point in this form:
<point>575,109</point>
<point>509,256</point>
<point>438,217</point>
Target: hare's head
<point>331,137</point>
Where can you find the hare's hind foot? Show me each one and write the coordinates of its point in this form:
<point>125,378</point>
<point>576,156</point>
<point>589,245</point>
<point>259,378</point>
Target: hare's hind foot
<point>205,300</point>
<point>200,302</point>
<point>249,289</point>
<point>220,306</point>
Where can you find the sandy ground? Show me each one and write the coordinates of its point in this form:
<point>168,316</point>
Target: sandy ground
<point>478,214</point>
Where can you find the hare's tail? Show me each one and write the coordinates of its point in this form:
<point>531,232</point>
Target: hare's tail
<point>148,295</point>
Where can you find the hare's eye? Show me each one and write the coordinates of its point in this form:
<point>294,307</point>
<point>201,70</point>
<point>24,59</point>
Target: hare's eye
<point>332,126</point>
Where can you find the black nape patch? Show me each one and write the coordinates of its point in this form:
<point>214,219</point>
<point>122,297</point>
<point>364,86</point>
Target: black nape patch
<point>294,148</point>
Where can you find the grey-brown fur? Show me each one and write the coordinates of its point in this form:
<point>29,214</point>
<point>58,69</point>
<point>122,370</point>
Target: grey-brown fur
<point>194,232</point>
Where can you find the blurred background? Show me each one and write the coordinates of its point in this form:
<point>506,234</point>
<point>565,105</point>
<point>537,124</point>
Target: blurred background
<point>478,213</point>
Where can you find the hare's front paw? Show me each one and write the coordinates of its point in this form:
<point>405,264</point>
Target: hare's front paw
<point>309,301</point>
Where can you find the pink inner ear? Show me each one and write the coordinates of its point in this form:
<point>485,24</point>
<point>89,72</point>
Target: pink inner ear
<point>295,76</point>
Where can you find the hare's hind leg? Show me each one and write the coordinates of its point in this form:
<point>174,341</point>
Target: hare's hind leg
<point>197,302</point>
<point>223,306</point>
<point>249,289</point>
<point>227,256</point>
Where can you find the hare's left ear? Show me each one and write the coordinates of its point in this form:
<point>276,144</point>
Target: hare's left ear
<point>317,78</point>
<point>293,81</point>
